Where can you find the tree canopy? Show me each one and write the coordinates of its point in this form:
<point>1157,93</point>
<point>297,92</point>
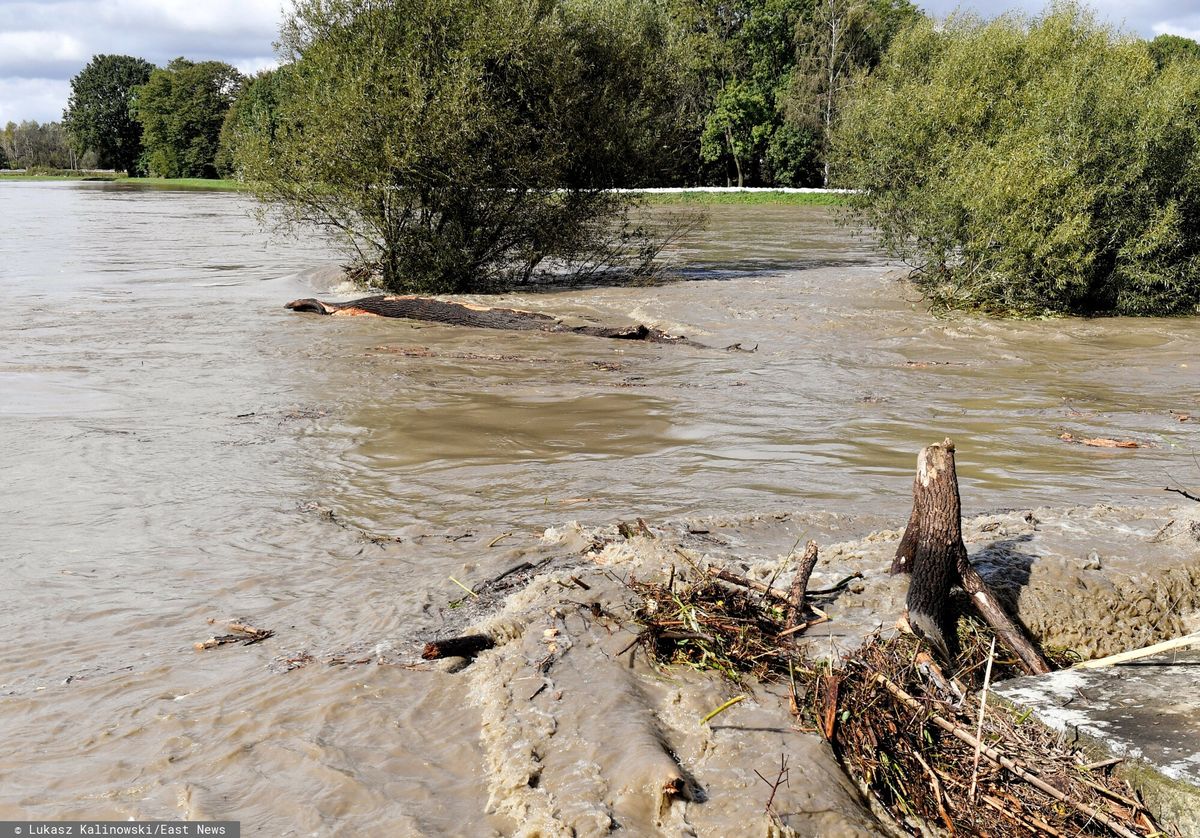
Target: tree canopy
<point>31,145</point>
<point>459,144</point>
<point>181,109</point>
<point>99,115</point>
<point>1031,166</point>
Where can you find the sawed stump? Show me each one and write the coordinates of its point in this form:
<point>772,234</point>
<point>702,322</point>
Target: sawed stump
<point>932,550</point>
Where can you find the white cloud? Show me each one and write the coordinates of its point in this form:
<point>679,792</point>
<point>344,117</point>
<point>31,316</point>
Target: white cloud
<point>1135,16</point>
<point>27,53</point>
<point>43,43</point>
<point>250,66</point>
<point>39,99</point>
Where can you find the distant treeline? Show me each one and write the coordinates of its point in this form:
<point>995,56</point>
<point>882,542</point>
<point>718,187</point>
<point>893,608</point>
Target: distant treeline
<point>763,80</point>
<point>40,145</point>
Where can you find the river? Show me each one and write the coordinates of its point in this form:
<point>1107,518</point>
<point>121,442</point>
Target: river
<point>179,451</point>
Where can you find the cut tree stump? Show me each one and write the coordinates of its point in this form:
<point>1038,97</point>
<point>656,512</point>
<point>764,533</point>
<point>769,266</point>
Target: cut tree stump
<point>431,310</point>
<point>932,550</point>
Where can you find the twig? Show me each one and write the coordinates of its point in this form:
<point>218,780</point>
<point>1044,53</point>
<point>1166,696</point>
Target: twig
<point>833,590</point>
<point>937,793</point>
<point>1183,492</point>
<point>499,538</point>
<point>745,582</point>
<point>987,679</point>
<point>1033,825</point>
<point>464,587</point>
<point>723,708</point>
<point>781,779</point>
<point>998,758</point>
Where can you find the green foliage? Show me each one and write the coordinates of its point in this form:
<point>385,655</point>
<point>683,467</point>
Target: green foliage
<point>34,145</point>
<point>740,124</point>
<point>1166,49</point>
<point>1030,166</point>
<point>98,114</point>
<point>742,55</point>
<point>181,109</point>
<point>837,42</point>
<point>256,106</point>
<point>768,77</point>
<point>457,144</point>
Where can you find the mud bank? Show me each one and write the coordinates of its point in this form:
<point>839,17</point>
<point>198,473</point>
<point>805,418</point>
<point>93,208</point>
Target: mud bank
<point>580,734</point>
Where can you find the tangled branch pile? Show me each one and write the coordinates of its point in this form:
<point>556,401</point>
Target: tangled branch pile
<point>897,722</point>
<point>911,743</point>
<point>707,625</point>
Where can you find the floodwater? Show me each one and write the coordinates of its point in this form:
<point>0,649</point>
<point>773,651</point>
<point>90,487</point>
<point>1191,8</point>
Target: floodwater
<point>180,451</point>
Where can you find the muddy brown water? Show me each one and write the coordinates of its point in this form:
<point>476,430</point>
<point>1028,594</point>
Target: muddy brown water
<point>179,449</point>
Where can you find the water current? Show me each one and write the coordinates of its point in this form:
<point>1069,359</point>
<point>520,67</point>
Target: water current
<point>179,450</point>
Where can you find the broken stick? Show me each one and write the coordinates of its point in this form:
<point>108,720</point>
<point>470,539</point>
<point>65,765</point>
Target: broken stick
<point>932,550</point>
<point>799,587</point>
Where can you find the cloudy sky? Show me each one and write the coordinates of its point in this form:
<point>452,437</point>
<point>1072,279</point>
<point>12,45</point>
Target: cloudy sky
<point>43,43</point>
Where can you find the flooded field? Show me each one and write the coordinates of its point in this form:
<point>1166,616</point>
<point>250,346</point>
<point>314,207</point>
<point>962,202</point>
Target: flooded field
<point>180,451</point>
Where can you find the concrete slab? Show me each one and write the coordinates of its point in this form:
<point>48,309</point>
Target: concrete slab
<point>1146,711</point>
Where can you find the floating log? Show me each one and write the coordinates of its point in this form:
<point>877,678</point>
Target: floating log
<point>431,310</point>
<point>467,646</point>
<point>932,550</point>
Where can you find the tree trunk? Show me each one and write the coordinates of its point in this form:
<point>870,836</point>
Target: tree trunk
<point>433,310</point>
<point>733,153</point>
<point>932,550</point>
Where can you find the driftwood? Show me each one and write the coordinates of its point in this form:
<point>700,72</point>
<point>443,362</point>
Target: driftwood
<point>481,317</point>
<point>245,634</point>
<point>467,646</point>
<point>932,550</point>
<point>996,757</point>
<point>746,582</point>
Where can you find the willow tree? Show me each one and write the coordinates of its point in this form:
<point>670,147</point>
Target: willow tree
<point>1028,166</point>
<point>455,145</point>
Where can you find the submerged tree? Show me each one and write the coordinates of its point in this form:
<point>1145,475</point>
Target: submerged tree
<point>99,114</point>
<point>1031,166</point>
<point>456,144</point>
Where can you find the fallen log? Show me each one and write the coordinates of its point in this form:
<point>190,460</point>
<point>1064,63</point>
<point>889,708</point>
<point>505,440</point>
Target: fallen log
<point>430,310</point>
<point>932,550</point>
<point>467,646</point>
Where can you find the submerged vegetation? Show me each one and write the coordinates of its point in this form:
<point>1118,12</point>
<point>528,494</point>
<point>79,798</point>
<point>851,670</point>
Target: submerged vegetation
<point>1030,166</point>
<point>453,146</point>
<point>1021,166</point>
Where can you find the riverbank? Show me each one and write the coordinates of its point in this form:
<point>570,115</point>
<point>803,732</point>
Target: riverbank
<point>577,612</point>
<point>183,184</point>
<point>697,196</point>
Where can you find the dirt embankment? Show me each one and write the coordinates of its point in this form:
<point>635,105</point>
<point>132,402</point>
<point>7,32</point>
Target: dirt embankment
<point>581,733</point>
